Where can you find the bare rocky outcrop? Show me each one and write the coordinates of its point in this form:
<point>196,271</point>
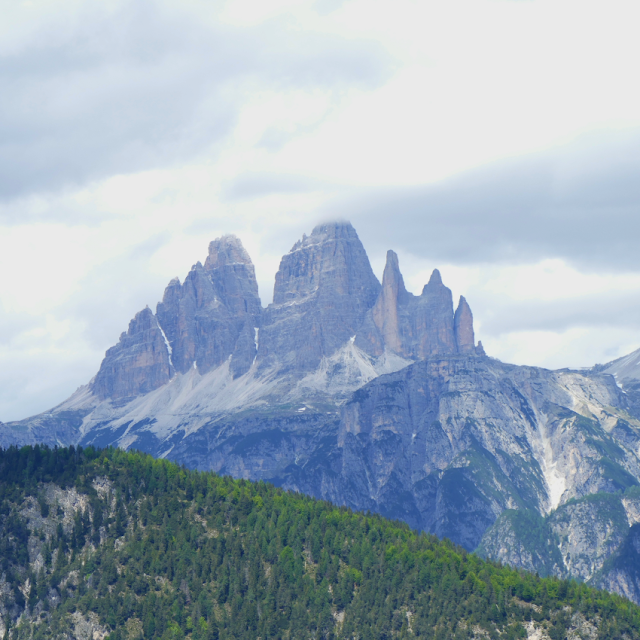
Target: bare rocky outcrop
<point>386,311</point>
<point>589,532</point>
<point>138,364</point>
<point>416,327</point>
<point>463,328</point>
<point>323,289</point>
<point>206,320</point>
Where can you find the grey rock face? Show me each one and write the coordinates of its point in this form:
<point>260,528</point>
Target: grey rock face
<point>323,289</point>
<point>595,539</point>
<point>574,540</point>
<point>416,327</point>
<point>455,441</point>
<point>54,429</point>
<point>386,311</point>
<point>432,319</point>
<point>463,328</point>
<point>624,369</point>
<point>138,364</point>
<point>589,531</point>
<point>212,316</point>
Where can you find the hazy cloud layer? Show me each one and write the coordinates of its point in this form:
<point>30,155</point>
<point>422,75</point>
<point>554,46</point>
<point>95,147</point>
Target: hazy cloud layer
<point>580,203</point>
<point>249,186</point>
<point>144,87</point>
<point>614,309</point>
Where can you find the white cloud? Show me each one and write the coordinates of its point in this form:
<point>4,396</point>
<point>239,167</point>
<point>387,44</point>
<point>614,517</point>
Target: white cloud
<point>462,134</point>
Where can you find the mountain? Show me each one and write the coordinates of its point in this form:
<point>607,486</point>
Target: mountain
<point>211,351</point>
<point>369,396</point>
<point>118,546</point>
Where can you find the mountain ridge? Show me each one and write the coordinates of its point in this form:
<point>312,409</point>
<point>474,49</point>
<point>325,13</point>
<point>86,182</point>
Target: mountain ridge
<point>361,393</point>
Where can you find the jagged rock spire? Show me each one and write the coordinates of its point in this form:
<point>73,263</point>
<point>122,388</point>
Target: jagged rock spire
<point>435,278</point>
<point>385,311</point>
<point>463,327</point>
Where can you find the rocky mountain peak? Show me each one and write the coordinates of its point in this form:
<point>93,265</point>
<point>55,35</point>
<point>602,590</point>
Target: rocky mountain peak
<point>323,289</point>
<point>331,261</point>
<point>327,232</point>
<point>212,316</point>
<point>226,250</point>
<point>435,278</point>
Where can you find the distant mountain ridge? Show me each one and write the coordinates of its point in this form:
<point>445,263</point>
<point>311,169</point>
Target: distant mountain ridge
<point>364,394</point>
<point>211,349</point>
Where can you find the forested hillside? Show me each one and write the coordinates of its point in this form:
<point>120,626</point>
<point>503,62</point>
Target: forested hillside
<point>118,546</point>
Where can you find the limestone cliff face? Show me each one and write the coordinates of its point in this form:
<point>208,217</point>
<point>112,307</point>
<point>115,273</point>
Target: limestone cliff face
<point>621,573</point>
<point>416,327</point>
<point>326,298</point>
<point>213,316</point>
<point>463,328</point>
<point>200,324</point>
<point>432,320</point>
<point>138,364</point>
<point>466,435</point>
<point>323,289</point>
<point>386,314</point>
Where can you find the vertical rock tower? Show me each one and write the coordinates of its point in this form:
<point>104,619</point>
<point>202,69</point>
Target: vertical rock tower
<point>323,289</point>
<point>416,327</point>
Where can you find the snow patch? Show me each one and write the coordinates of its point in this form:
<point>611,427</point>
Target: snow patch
<point>168,345</point>
<point>256,334</point>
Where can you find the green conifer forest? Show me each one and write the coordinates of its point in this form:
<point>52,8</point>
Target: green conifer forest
<point>123,546</point>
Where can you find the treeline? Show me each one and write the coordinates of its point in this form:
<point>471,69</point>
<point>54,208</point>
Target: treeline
<point>167,553</point>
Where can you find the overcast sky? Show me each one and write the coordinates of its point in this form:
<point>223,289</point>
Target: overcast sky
<point>496,140</point>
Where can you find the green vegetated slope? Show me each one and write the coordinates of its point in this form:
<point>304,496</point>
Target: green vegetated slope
<point>120,545</point>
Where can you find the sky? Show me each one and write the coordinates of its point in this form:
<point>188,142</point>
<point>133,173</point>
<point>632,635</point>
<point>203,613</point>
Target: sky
<point>497,140</point>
